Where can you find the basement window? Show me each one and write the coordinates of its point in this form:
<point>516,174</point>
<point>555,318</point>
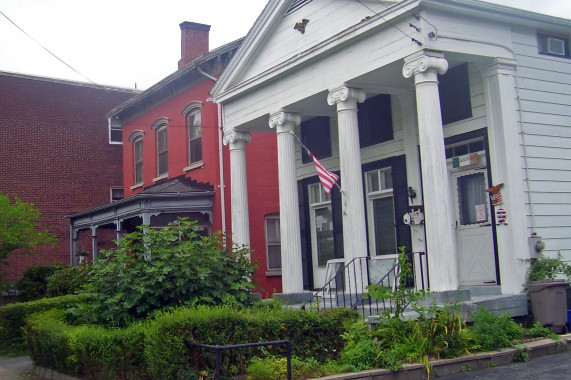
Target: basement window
<point>557,46</point>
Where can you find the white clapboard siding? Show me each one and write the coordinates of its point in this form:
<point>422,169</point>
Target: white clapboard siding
<point>544,84</point>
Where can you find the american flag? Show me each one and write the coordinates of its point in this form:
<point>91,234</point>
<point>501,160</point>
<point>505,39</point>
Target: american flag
<point>327,178</point>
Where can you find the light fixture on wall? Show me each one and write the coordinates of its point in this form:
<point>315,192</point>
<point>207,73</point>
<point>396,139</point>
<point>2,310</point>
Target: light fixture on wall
<point>411,194</point>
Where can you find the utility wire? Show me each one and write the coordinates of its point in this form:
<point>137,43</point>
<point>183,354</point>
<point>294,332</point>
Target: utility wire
<point>397,28</point>
<point>46,49</point>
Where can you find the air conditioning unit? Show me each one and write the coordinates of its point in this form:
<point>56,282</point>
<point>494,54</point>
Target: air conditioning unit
<point>556,46</point>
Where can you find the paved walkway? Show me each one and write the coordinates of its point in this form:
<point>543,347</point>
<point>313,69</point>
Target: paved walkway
<point>14,368</point>
<point>549,367</point>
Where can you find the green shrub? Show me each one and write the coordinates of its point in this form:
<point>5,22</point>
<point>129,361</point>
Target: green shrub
<point>313,334</point>
<point>33,285</point>
<point>68,280</point>
<point>87,351</point>
<point>151,270</point>
<point>492,332</point>
<point>12,319</point>
<point>274,368</point>
<point>47,334</point>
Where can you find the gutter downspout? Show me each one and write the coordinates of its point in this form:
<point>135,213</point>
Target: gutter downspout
<point>220,156</point>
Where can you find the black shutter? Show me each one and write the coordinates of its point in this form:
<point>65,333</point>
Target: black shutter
<point>400,195</point>
<point>316,136</point>
<point>305,233</point>
<point>375,120</point>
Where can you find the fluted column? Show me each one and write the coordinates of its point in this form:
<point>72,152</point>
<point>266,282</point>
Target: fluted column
<point>440,234</point>
<point>354,229</point>
<point>239,186</point>
<point>505,162</point>
<point>292,271</point>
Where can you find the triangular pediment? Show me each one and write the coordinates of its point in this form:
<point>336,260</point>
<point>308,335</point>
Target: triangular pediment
<point>289,29</point>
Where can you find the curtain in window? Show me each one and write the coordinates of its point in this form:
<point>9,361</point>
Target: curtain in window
<point>471,197</point>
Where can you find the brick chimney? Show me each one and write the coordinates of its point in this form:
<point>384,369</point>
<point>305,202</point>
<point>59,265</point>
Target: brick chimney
<point>194,42</point>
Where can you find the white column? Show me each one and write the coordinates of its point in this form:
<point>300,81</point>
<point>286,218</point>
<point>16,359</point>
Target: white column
<point>292,271</point>
<point>410,132</point>
<point>440,232</point>
<point>506,163</point>
<point>354,228</point>
<point>239,186</point>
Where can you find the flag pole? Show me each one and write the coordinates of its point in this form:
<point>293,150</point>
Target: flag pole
<point>310,154</point>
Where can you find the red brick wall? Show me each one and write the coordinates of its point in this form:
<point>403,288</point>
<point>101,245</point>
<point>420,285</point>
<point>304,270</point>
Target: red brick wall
<point>54,153</point>
<point>261,160</point>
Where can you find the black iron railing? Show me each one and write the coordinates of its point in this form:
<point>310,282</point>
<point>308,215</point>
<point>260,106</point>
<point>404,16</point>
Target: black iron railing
<point>346,284</point>
<point>218,351</point>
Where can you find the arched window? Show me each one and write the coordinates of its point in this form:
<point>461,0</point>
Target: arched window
<point>136,139</point>
<point>160,128</point>
<point>194,132</point>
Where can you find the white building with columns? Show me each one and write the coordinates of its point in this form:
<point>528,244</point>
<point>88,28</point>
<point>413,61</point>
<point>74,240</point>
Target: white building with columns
<point>420,106</point>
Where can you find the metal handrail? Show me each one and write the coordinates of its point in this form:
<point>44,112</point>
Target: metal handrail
<point>351,288</point>
<point>218,350</point>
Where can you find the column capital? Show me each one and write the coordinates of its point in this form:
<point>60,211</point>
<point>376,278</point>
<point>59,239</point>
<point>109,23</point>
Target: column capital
<point>499,66</point>
<point>284,121</point>
<point>346,97</point>
<point>423,62</point>
<point>236,139</point>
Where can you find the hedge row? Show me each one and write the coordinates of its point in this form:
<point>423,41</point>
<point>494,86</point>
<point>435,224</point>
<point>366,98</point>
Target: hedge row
<point>158,348</point>
<point>12,319</point>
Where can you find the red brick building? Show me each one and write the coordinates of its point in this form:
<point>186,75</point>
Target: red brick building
<point>175,163</point>
<point>55,153</point>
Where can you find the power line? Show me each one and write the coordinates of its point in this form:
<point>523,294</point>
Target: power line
<point>397,28</point>
<point>46,49</point>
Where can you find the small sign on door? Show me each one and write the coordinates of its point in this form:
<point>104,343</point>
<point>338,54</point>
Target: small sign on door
<point>481,213</point>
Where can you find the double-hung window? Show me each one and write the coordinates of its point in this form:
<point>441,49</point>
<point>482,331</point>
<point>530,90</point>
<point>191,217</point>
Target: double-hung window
<point>273,244</point>
<point>161,136</point>
<point>136,140</point>
<point>194,133</point>
<point>381,212</point>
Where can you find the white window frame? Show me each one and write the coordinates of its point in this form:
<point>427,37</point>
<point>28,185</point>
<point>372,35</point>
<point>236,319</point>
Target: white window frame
<point>269,243</point>
<point>114,124</point>
<point>112,199</point>
<point>190,111</point>
<point>136,138</point>
<point>161,126</point>
<point>383,191</point>
<point>323,201</point>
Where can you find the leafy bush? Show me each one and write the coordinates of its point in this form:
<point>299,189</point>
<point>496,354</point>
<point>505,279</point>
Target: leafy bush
<point>12,319</point>
<point>68,280</point>
<point>274,367</point>
<point>33,284</point>
<point>47,334</point>
<point>88,351</point>
<point>153,269</point>
<point>492,332</point>
<point>314,334</point>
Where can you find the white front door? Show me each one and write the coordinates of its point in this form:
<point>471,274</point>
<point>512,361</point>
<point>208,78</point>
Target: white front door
<point>476,258</point>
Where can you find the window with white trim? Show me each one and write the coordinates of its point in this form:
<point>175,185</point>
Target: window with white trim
<point>193,114</point>
<point>136,140</point>
<point>321,216</point>
<point>273,243</point>
<point>161,136</point>
<point>116,193</point>
<point>115,131</point>
<point>554,45</point>
<point>381,212</point>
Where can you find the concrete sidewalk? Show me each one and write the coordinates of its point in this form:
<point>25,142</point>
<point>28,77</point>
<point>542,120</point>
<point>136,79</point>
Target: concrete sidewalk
<point>14,368</point>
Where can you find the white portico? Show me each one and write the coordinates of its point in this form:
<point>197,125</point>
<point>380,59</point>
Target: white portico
<point>414,120</point>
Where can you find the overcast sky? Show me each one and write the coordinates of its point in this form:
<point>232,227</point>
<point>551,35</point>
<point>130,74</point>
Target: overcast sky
<point>123,42</point>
